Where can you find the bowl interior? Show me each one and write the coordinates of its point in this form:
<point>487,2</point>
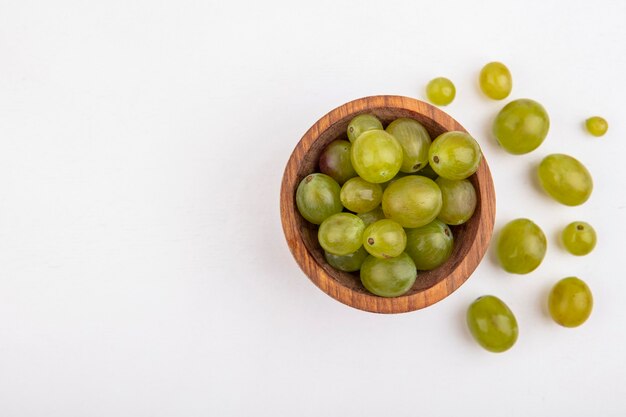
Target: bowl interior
<point>464,234</point>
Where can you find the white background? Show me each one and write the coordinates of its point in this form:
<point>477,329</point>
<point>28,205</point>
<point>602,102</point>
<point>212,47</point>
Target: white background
<point>143,268</point>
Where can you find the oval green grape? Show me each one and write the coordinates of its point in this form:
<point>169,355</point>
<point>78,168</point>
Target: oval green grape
<point>454,155</point>
<point>579,238</point>
<point>521,247</point>
<point>565,179</point>
<point>317,198</point>
<point>440,91</point>
<point>459,201</point>
<point>412,201</point>
<point>341,234</point>
<point>495,80</point>
<point>376,156</point>
<point>347,263</point>
<point>521,126</point>
<point>384,239</point>
<point>597,126</point>
<point>360,196</point>
<point>570,302</point>
<point>492,324</point>
<point>415,141</point>
<point>390,277</point>
<point>429,246</point>
<point>363,123</point>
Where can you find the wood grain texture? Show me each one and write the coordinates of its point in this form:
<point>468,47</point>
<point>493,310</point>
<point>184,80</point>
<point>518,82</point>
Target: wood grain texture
<point>471,238</point>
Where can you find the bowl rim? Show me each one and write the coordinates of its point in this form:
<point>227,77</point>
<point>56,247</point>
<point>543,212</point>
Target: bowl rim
<point>366,301</point>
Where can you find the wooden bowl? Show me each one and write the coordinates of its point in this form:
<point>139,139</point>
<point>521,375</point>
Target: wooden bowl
<point>470,239</point>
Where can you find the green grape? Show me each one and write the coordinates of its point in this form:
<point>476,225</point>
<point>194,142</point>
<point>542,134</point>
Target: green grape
<point>579,238</point>
<point>384,239</point>
<point>348,263</point>
<point>521,126</point>
<point>570,302</point>
<point>428,172</point>
<point>495,80</point>
<point>429,246</point>
<point>390,277</point>
<point>521,247</point>
<point>440,91</point>
<point>376,156</point>
<point>454,155</point>
<point>596,125</point>
<point>335,161</point>
<point>414,140</point>
<point>360,196</point>
<point>459,201</point>
<point>317,198</point>
<point>492,324</point>
<point>565,179</point>
<point>372,216</point>
<point>363,123</point>
<point>341,234</point>
<point>412,201</point>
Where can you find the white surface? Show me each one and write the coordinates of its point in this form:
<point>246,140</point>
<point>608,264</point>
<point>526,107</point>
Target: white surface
<point>143,269</point>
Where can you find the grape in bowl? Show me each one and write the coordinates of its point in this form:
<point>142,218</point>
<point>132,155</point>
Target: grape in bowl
<point>471,237</point>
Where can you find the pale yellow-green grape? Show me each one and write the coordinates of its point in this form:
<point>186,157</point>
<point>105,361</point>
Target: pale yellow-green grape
<point>579,238</point>
<point>596,125</point>
<point>317,197</point>
<point>454,155</point>
<point>570,302</point>
<point>565,179</point>
<point>492,324</point>
<point>440,91</point>
<point>341,234</point>
<point>521,246</point>
<point>429,246</point>
<point>412,201</point>
<point>384,239</point>
<point>495,80</point>
<point>521,126</point>
<point>360,196</point>
<point>335,161</point>
<point>415,142</point>
<point>363,123</point>
<point>459,201</point>
<point>348,263</point>
<point>376,156</point>
<point>390,277</point>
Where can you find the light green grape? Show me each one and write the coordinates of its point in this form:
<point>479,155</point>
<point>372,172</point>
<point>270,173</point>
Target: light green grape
<point>372,216</point>
<point>348,263</point>
<point>496,81</point>
<point>376,156</point>
<point>384,239</point>
<point>596,125</point>
<point>440,91</point>
<point>570,302</point>
<point>414,140</point>
<point>579,238</point>
<point>390,277</point>
<point>360,196</point>
<point>565,179</point>
<point>521,246</point>
<point>429,246</point>
<point>492,323</point>
<point>454,155</point>
<point>412,201</point>
<point>363,123</point>
<point>335,161</point>
<point>341,234</point>
<point>317,197</point>
<point>521,126</point>
<point>459,201</point>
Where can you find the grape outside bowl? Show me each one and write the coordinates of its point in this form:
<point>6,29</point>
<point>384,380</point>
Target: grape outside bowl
<point>471,238</point>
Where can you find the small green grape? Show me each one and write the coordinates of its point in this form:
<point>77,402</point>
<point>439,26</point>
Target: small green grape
<point>521,246</point>
<point>317,197</point>
<point>348,263</point>
<point>376,156</point>
<point>459,201</point>
<point>492,324</point>
<point>579,238</point>
<point>412,201</point>
<point>341,234</point>
<point>429,246</point>
<point>596,125</point>
<point>521,126</point>
<point>454,155</point>
<point>565,179</point>
<point>390,277</point>
<point>372,216</point>
<point>335,161</point>
<point>440,91</point>
<point>384,239</point>
<point>363,123</point>
<point>360,196</point>
<point>495,80</point>
<point>415,141</point>
<point>570,302</point>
